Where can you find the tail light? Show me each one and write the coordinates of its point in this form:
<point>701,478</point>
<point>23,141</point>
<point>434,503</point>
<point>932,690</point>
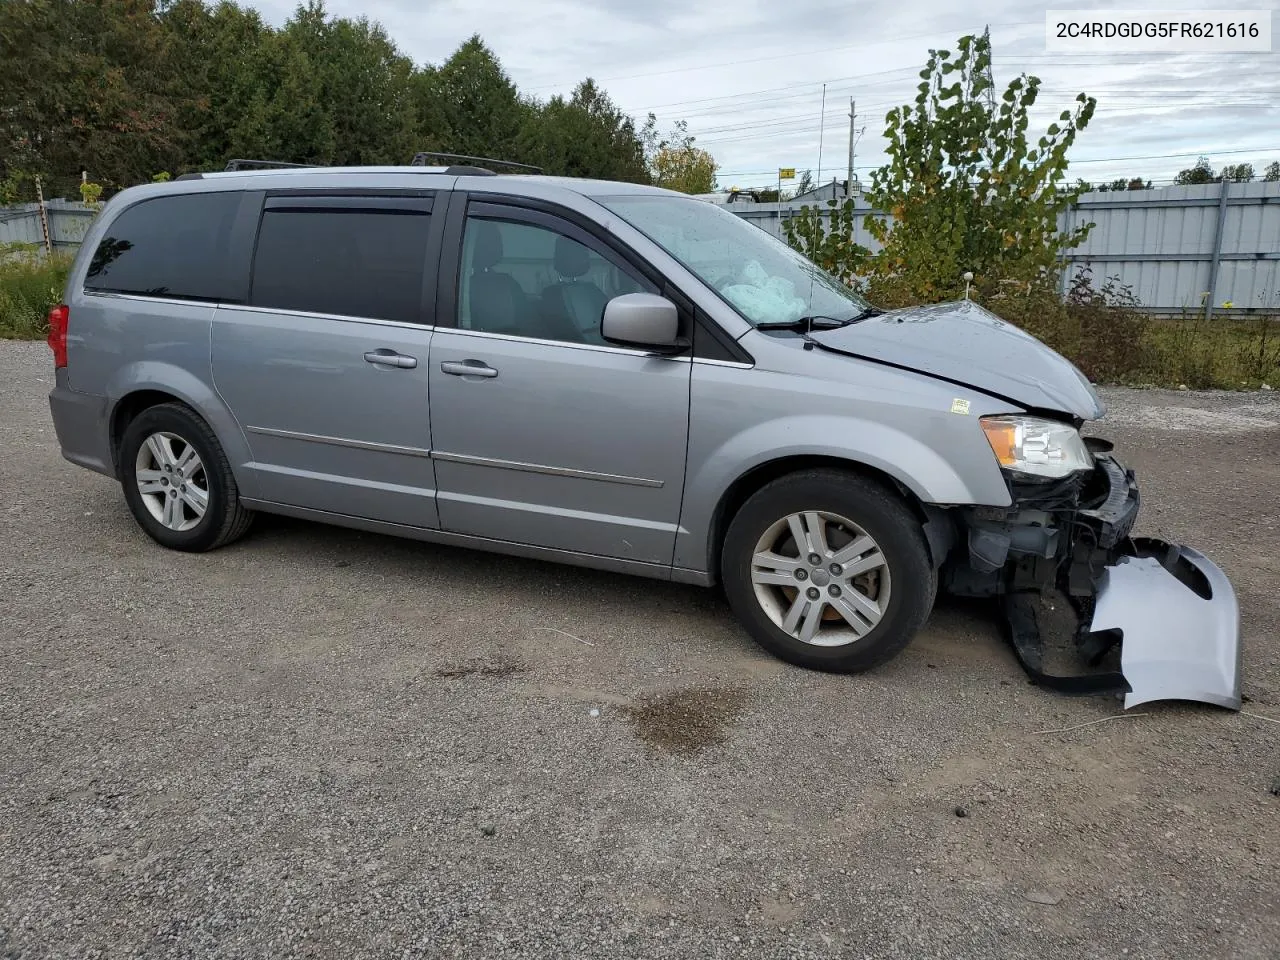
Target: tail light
<point>58,333</point>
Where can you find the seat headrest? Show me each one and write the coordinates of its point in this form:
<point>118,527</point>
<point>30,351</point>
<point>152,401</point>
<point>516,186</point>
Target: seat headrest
<point>488,248</point>
<point>571,259</point>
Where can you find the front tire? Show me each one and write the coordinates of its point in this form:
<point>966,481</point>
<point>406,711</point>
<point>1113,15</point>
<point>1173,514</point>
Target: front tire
<point>178,482</point>
<point>828,570</point>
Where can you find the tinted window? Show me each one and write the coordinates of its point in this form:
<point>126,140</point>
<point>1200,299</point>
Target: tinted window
<point>530,281</point>
<point>168,247</point>
<point>343,261</point>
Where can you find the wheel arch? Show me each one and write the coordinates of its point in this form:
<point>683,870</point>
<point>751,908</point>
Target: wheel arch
<point>143,385</point>
<point>127,408</point>
<point>757,477</point>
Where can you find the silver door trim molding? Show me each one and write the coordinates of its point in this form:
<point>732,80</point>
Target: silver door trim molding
<point>594,347</point>
<point>340,441</point>
<point>542,468</point>
<point>711,362</point>
<point>147,298</point>
<point>339,317</point>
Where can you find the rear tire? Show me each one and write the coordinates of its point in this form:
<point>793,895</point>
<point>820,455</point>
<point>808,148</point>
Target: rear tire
<point>178,482</point>
<point>869,592</point>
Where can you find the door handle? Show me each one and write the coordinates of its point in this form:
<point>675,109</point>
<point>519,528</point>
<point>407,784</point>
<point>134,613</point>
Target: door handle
<point>389,358</point>
<point>468,368</point>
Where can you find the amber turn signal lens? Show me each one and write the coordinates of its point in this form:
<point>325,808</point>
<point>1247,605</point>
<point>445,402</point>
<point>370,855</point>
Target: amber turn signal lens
<point>1003,437</point>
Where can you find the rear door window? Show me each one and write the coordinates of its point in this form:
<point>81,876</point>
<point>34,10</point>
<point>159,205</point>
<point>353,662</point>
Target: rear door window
<point>174,247</point>
<point>352,258</point>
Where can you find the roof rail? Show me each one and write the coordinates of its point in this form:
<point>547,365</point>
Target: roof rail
<point>265,165</point>
<point>422,160</point>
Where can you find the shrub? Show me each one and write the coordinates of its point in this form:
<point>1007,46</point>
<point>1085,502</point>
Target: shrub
<point>29,286</point>
<point>1099,329</point>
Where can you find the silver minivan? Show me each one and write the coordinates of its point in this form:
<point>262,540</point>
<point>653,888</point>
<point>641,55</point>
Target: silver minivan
<point>619,377</point>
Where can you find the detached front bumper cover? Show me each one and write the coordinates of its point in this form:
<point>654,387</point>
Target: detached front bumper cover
<point>1169,609</point>
<point>1179,624</point>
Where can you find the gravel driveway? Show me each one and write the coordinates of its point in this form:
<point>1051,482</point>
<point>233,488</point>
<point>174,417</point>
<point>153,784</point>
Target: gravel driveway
<point>321,743</point>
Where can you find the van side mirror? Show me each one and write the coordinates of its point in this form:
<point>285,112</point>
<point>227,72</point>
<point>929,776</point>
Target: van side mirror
<point>643,320</point>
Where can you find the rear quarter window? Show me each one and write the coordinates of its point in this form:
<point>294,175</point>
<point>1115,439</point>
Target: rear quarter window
<point>174,246</point>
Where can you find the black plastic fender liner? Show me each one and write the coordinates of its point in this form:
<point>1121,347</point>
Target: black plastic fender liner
<point>1172,611</point>
<point>1024,636</point>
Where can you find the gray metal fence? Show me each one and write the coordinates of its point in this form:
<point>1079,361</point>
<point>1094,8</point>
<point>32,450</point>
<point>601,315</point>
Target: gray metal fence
<point>1180,248</point>
<point>68,222</point>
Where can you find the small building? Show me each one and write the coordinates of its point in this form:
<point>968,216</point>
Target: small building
<point>835,190</point>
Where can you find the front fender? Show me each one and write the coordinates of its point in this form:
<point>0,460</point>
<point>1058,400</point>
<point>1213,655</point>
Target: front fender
<point>164,377</point>
<point>923,470</point>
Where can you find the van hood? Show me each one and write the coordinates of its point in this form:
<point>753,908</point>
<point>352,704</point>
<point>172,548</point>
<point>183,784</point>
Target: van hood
<point>965,343</point>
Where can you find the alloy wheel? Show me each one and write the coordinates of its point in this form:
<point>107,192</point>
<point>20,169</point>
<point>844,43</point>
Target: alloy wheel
<point>172,481</point>
<point>820,578</point>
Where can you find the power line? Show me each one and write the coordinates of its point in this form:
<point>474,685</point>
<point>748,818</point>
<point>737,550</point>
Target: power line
<point>789,86</point>
<point>1152,156</point>
<point>1123,104</point>
<point>1192,153</point>
<point>787,56</point>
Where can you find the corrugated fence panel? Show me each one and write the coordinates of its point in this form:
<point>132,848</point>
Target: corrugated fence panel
<point>20,224</point>
<point>1158,242</point>
<point>69,220</point>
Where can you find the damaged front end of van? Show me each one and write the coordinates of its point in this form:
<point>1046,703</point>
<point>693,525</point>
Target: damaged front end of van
<point>1156,620</point>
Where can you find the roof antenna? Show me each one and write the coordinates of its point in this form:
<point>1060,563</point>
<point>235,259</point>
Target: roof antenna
<point>968,279</point>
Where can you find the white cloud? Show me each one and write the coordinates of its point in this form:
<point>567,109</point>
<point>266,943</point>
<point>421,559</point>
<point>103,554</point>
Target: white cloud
<point>748,75</point>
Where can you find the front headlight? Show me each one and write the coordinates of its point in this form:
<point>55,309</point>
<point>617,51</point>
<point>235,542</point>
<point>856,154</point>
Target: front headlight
<point>1042,448</point>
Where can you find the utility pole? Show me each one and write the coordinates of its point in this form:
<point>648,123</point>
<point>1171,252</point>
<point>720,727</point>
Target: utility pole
<point>853,113</point>
<point>821,124</point>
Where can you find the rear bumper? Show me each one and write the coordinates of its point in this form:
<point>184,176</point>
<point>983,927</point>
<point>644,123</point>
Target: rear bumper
<point>1171,611</point>
<point>80,421</point>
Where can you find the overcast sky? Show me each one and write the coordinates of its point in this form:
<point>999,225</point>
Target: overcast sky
<point>748,74</point>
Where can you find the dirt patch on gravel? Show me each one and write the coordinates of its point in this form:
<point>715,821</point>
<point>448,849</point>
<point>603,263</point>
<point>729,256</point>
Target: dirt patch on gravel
<point>684,722</point>
<point>480,668</point>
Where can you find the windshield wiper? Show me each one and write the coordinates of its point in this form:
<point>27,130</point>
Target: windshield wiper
<point>818,322</point>
<point>866,314</point>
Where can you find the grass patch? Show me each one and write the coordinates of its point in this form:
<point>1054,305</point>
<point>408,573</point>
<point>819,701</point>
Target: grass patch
<point>1220,354</point>
<point>29,286</point>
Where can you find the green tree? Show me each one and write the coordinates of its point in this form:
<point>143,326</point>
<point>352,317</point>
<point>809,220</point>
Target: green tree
<point>829,243</point>
<point>289,111</point>
<point>369,95</point>
<point>1272,173</point>
<point>585,136</point>
<point>1238,173</point>
<point>805,184</point>
<point>84,86</point>
<point>967,187</point>
<point>219,52</point>
<point>122,88</point>
<point>676,163</point>
<point>1202,172</point>
<point>480,110</point>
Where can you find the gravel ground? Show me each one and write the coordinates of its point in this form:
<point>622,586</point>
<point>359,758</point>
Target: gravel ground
<point>320,743</point>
